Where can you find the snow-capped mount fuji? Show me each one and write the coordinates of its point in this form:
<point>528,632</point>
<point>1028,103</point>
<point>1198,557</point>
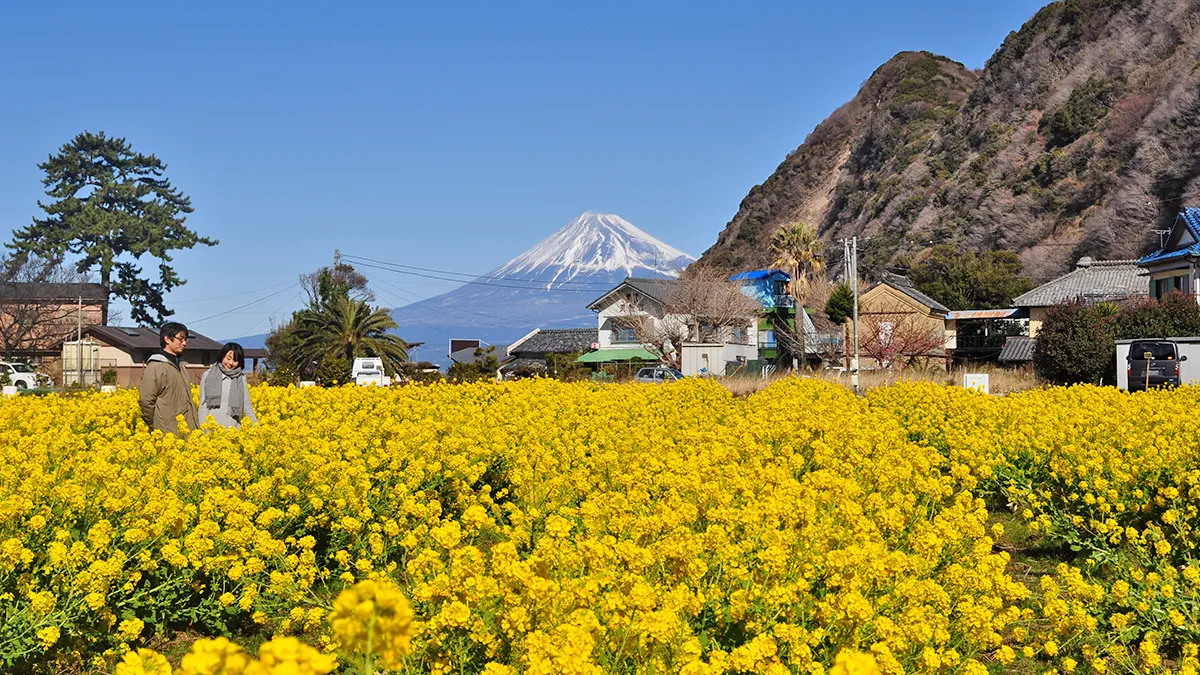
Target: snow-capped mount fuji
<point>592,246</point>
<point>549,285</point>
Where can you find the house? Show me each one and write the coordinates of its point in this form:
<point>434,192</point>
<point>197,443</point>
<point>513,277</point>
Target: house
<point>980,334</point>
<point>778,339</point>
<point>1090,281</point>
<point>897,321</point>
<point>640,321</point>
<point>36,317</point>
<point>125,351</point>
<point>474,351</point>
<point>1175,266</point>
<point>528,355</point>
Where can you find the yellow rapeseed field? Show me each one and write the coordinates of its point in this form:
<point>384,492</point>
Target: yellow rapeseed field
<point>542,527</point>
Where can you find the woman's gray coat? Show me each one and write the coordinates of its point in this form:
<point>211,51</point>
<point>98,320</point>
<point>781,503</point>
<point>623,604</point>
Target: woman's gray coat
<point>221,414</point>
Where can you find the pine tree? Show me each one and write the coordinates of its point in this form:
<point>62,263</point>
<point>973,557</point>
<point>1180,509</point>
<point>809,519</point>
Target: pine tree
<point>111,206</point>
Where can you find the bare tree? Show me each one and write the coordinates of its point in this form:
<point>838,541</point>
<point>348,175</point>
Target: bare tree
<point>31,318</point>
<point>702,305</point>
<point>896,336</point>
<point>803,344</point>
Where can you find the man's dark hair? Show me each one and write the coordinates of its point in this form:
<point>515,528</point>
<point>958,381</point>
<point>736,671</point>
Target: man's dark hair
<point>238,352</point>
<point>169,330</point>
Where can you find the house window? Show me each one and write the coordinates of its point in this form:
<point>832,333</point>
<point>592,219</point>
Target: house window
<point>1175,283</point>
<point>709,332</point>
<point>624,334</point>
<point>741,335</point>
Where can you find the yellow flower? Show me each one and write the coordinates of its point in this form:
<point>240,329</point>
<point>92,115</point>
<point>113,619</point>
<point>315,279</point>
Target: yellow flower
<point>143,662</point>
<point>287,655</point>
<point>854,663</point>
<point>375,617</point>
<point>217,656</point>
<point>131,629</point>
<point>49,636</point>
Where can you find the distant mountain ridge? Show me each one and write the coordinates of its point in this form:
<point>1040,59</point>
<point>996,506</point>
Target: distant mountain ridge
<point>1080,136</point>
<point>547,286</point>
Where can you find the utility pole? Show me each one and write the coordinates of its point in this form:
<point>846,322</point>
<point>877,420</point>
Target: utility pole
<point>337,258</point>
<point>79,342</point>
<point>854,288</point>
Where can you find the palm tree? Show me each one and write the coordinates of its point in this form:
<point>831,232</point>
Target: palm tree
<point>349,328</point>
<point>801,253</point>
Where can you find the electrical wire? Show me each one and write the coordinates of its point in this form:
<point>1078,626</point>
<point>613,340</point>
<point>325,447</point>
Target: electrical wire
<point>231,295</point>
<point>250,330</point>
<point>464,312</point>
<point>473,278</point>
<point>248,304</point>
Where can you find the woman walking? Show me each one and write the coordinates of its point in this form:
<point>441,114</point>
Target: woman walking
<point>224,393</point>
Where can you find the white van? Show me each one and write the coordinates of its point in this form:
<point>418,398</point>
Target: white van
<point>369,370</point>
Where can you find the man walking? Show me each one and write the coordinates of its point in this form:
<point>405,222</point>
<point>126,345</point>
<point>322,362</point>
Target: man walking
<point>166,391</point>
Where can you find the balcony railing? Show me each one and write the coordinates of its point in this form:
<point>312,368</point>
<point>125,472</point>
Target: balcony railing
<point>975,343</point>
<point>784,301</point>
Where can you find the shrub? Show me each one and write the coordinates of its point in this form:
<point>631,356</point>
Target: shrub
<point>109,376</point>
<point>1075,344</point>
<point>334,370</point>
<point>282,375</point>
<point>840,305</point>
<point>1175,315</point>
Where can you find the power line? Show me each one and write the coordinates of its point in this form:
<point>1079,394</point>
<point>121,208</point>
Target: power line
<point>481,283</point>
<point>248,304</point>
<point>454,309</point>
<point>472,277</point>
<point>231,295</point>
<point>250,330</point>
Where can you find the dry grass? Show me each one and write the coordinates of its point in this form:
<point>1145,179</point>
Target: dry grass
<point>1000,380</point>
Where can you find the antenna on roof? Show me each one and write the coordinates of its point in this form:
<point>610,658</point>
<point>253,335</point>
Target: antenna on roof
<point>1160,234</point>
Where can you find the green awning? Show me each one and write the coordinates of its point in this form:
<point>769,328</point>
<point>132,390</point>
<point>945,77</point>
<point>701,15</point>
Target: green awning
<point>608,355</point>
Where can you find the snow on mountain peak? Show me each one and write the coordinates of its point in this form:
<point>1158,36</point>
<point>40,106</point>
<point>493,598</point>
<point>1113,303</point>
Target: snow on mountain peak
<point>596,243</point>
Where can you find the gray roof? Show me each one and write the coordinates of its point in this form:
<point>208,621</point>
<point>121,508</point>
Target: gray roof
<point>905,286</point>
<point>129,338</point>
<point>658,289</point>
<point>514,365</point>
<point>1017,349</point>
<point>1094,280</point>
<point>48,292</point>
<point>468,355</point>
<point>556,341</point>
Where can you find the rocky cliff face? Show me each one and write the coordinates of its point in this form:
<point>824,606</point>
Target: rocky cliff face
<point>1080,136</point>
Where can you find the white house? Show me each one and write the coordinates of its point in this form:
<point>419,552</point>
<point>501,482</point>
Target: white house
<point>1176,266</point>
<point>634,324</point>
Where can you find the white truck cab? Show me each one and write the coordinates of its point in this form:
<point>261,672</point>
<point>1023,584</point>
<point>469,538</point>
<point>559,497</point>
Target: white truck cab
<point>369,370</point>
<point>23,376</point>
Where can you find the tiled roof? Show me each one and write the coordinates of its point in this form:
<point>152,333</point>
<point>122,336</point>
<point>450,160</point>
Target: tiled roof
<point>67,293</point>
<point>557,341</point>
<point>1017,349</point>
<point>1093,280</point>
<point>905,286</point>
<point>1189,218</point>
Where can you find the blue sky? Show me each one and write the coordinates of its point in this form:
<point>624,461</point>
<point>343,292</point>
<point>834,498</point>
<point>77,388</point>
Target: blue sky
<point>446,135</point>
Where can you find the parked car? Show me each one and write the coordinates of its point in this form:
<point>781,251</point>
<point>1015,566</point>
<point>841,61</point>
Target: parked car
<point>1153,363</point>
<point>369,370</point>
<point>658,375</point>
<point>23,376</point>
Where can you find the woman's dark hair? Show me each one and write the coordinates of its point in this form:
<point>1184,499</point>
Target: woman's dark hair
<point>238,352</point>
